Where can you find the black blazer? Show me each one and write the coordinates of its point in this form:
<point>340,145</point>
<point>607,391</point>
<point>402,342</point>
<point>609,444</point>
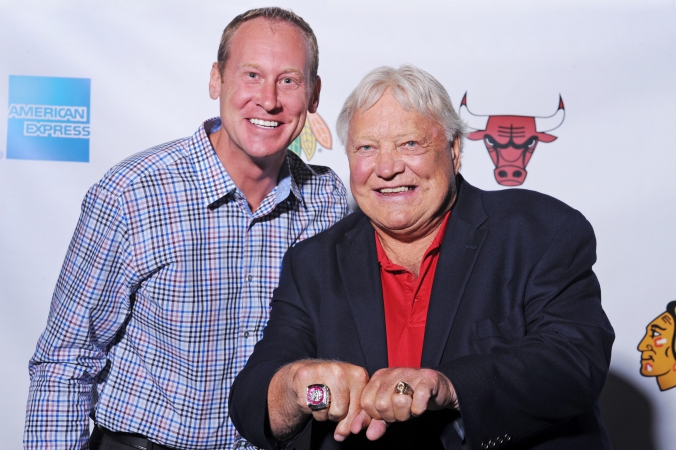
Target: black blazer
<point>515,322</point>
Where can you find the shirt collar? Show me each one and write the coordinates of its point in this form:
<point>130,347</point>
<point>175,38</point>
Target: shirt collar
<point>388,265</point>
<point>215,181</point>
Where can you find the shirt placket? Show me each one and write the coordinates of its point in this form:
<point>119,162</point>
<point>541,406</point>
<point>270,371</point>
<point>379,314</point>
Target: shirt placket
<point>253,304</point>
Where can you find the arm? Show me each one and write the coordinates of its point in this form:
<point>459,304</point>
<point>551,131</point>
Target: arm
<point>89,305</point>
<point>557,370</point>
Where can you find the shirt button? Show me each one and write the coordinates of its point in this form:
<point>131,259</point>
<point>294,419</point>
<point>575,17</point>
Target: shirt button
<point>246,335</point>
<point>249,278</point>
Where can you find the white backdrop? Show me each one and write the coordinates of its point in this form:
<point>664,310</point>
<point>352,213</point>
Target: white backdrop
<point>613,62</point>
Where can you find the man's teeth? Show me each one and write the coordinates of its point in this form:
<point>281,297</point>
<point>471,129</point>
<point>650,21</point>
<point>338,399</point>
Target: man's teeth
<point>393,190</point>
<point>264,123</point>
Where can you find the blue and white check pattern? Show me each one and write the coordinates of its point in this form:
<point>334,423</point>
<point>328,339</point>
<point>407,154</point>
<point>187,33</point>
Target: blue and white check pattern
<point>163,294</point>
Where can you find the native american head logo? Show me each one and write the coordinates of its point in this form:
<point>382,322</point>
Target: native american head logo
<point>511,140</point>
<point>657,349</point>
<point>314,131</point>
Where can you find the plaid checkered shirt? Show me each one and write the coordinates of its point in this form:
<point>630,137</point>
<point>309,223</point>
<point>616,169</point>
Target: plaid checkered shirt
<point>163,294</point>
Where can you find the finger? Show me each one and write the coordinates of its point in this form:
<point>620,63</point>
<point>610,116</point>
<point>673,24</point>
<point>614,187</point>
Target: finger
<point>321,416</point>
<point>361,422</point>
<point>368,398</point>
<point>376,430</point>
<point>340,402</point>
<point>342,430</point>
<point>384,402</point>
<point>356,380</point>
<point>421,397</point>
<point>401,406</point>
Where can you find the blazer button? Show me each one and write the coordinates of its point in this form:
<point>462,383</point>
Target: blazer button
<point>491,443</point>
<point>484,446</point>
<point>508,438</point>
<point>500,440</point>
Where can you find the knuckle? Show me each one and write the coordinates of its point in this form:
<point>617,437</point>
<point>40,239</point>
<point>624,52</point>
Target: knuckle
<point>428,373</point>
<point>401,401</point>
<point>381,404</point>
<point>336,370</point>
<point>335,417</point>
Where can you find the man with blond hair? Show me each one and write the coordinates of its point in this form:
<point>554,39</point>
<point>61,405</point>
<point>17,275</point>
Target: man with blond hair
<point>166,285</point>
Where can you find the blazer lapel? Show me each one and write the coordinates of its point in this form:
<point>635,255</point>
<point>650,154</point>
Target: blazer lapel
<point>459,251</point>
<point>360,274</point>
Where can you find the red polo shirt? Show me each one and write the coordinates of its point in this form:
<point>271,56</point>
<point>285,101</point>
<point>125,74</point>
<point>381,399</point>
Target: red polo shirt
<point>407,299</point>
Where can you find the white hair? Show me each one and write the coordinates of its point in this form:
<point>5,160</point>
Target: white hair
<point>414,89</point>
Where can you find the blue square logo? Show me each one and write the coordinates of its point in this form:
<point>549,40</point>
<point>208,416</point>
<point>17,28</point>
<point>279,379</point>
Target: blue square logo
<point>48,118</point>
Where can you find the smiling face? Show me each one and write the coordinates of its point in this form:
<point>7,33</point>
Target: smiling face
<point>657,353</point>
<point>265,90</point>
<point>401,168</point>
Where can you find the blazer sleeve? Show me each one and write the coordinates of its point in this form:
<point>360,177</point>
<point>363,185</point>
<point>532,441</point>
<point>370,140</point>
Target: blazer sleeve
<point>288,336</point>
<point>557,370</point>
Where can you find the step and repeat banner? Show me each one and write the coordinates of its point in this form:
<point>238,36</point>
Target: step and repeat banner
<point>590,84</point>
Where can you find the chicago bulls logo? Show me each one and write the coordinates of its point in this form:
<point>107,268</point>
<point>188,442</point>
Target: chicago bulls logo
<point>511,140</point>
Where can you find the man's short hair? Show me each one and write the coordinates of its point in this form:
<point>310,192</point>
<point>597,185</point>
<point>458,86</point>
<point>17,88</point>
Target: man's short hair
<point>414,89</point>
<point>273,14</point>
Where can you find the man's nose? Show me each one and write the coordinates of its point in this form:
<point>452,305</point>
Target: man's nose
<point>268,98</point>
<point>389,162</point>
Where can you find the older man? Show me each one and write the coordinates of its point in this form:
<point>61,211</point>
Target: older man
<point>166,285</point>
<point>441,316</point>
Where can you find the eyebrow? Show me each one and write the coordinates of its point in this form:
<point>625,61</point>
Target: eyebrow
<point>653,326</point>
<point>257,66</point>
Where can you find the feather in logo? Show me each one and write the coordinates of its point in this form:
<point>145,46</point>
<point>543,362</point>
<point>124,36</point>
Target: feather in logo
<point>314,131</point>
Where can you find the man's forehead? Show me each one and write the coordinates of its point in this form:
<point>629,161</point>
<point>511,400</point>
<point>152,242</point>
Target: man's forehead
<point>395,123</point>
<point>258,37</point>
<point>262,26</point>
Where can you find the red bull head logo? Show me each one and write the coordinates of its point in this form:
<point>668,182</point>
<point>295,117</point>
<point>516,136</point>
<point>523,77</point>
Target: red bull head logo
<point>511,140</point>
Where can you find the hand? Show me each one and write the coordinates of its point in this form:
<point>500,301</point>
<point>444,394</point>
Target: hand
<point>432,390</point>
<point>345,381</point>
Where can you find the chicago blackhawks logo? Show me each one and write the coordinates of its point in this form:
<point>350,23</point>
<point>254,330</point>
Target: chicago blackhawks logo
<point>314,131</point>
<point>657,349</point>
<point>511,140</point>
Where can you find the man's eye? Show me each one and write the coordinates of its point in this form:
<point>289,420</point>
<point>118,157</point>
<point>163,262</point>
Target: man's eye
<point>252,75</point>
<point>411,144</point>
<point>655,333</point>
<point>364,147</point>
<point>287,81</point>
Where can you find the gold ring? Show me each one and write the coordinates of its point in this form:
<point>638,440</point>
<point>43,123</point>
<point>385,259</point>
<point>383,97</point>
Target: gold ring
<point>403,388</point>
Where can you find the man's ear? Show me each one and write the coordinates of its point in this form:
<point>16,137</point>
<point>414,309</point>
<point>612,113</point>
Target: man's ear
<point>314,96</point>
<point>455,154</point>
<point>215,81</point>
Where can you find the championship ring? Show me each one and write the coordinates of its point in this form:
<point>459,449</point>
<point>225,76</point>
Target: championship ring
<point>318,397</point>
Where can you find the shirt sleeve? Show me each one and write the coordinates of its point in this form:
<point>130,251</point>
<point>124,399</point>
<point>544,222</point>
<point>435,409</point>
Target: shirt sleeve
<point>89,306</point>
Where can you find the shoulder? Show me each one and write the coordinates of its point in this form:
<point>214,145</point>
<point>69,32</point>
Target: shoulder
<point>313,179</point>
<point>147,164</point>
<point>518,212</point>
